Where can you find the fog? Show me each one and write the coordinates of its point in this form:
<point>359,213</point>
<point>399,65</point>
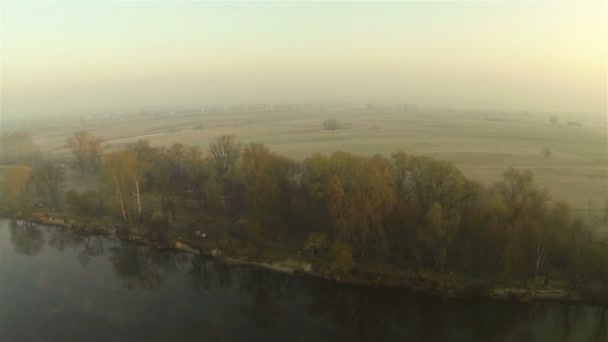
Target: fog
<point>79,57</point>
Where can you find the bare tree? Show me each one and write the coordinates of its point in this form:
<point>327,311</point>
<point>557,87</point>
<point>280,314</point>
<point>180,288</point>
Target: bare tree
<point>225,152</point>
<point>86,150</point>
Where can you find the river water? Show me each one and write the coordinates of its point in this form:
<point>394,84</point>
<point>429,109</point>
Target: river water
<point>56,286</point>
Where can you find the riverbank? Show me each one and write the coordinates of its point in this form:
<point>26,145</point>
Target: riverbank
<point>445,285</point>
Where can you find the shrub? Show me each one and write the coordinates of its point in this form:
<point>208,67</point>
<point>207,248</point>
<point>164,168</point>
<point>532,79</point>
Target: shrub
<point>88,203</point>
<point>342,258</point>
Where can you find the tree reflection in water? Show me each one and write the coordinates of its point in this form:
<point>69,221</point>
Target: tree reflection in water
<point>352,314</point>
<point>378,315</point>
<point>264,292</point>
<point>26,238</point>
<point>599,332</point>
<point>206,274</point>
<point>357,315</point>
<point>143,267</point>
<point>87,245</point>
<point>199,274</point>
<point>134,267</point>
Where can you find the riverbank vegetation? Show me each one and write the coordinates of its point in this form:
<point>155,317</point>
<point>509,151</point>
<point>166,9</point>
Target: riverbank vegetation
<point>373,220</point>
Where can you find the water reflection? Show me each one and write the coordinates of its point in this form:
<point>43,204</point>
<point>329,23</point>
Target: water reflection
<point>264,291</point>
<point>356,315</point>
<point>87,245</point>
<point>133,265</point>
<point>214,299</point>
<point>26,238</point>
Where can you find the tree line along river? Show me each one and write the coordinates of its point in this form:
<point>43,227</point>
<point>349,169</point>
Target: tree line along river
<point>59,286</point>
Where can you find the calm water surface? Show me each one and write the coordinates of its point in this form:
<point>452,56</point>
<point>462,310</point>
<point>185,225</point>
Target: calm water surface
<point>55,286</point>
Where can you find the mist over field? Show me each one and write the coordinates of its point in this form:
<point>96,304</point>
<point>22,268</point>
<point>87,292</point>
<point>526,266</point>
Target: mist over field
<point>82,58</point>
<point>264,171</point>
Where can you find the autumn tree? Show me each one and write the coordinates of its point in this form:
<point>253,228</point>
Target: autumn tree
<point>86,151</point>
<point>520,195</point>
<point>359,197</point>
<point>521,203</point>
<point>126,171</point>
<point>342,258</point>
<point>264,176</point>
<point>313,208</point>
<point>441,232</point>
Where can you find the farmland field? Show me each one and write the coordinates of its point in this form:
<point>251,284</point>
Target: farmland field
<point>481,144</point>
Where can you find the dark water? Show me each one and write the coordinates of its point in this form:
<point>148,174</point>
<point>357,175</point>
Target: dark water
<point>55,286</point>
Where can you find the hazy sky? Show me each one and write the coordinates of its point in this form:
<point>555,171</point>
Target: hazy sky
<point>84,57</point>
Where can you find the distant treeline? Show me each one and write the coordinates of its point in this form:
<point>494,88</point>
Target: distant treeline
<point>399,212</point>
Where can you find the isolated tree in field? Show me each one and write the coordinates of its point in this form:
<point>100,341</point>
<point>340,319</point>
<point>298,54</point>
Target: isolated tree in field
<point>48,179</point>
<point>86,150</point>
<point>553,120</point>
<point>18,147</point>
<point>331,125</point>
<point>225,152</point>
<point>546,152</point>
<point>16,187</point>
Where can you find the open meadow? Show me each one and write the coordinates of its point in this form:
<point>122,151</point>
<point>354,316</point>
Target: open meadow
<point>481,144</point>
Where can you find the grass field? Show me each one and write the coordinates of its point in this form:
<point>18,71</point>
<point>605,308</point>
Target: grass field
<point>481,144</point>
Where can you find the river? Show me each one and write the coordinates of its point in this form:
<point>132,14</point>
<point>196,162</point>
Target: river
<point>57,286</point>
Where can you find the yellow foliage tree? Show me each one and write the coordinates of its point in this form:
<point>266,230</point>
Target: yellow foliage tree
<point>15,187</point>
